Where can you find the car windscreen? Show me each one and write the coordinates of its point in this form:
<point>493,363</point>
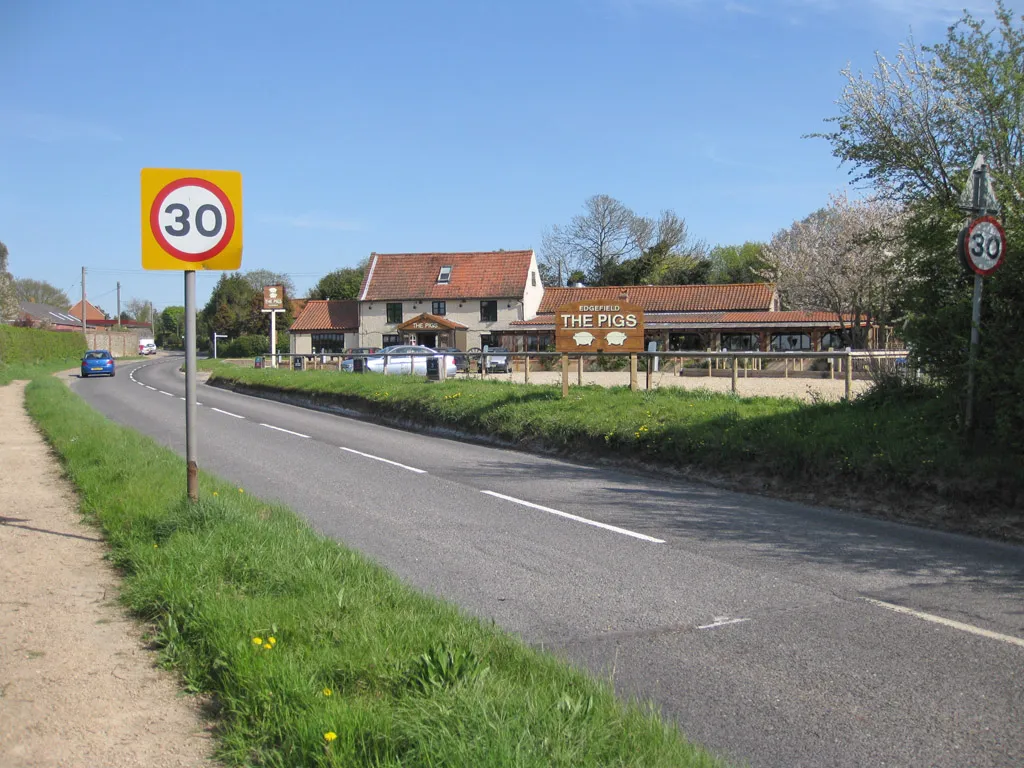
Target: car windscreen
<point>96,356</point>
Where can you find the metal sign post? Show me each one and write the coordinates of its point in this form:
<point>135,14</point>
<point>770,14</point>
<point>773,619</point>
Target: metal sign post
<point>273,302</point>
<point>190,386</point>
<point>191,220</point>
<point>981,246</point>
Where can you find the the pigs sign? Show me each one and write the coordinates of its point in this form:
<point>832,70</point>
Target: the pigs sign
<point>587,326</point>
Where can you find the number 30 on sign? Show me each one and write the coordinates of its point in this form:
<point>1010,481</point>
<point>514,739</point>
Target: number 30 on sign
<point>984,245</point>
<point>191,219</point>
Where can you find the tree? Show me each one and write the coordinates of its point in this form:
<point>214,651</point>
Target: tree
<point>139,310</point>
<point>912,130</point>
<point>8,296</point>
<point>612,245</point>
<point>261,278</point>
<point>738,263</point>
<point>340,284</point>
<point>170,329</point>
<point>41,292</point>
<point>841,259</point>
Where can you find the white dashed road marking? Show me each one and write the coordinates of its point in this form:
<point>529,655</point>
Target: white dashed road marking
<point>228,413</point>
<point>722,622</point>
<point>577,518</point>
<point>282,429</point>
<point>949,623</point>
<point>386,461</point>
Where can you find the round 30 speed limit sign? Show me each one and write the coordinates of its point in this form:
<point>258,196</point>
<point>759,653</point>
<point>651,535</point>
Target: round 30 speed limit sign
<point>984,245</point>
<point>191,219</point>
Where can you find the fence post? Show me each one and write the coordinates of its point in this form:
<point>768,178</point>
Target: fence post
<point>735,370</point>
<point>849,372</point>
<point>709,364</point>
<point>579,370</point>
<point>632,371</point>
<point>565,374</point>
<point>526,371</point>
<point>650,368</point>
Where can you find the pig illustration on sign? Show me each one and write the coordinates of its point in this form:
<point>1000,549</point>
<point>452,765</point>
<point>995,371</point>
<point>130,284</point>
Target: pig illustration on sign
<point>616,338</point>
<point>583,338</point>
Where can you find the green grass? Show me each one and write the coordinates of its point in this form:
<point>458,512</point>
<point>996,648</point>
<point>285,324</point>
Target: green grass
<point>399,678</point>
<point>17,371</point>
<point>906,441</point>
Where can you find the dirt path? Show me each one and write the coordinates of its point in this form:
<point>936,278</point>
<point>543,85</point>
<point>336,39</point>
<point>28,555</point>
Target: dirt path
<point>77,688</point>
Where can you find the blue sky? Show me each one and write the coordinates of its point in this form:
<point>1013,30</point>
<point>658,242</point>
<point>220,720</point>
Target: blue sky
<point>404,125</point>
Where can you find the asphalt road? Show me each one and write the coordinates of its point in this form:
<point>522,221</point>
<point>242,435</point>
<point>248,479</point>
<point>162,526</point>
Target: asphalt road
<point>776,634</point>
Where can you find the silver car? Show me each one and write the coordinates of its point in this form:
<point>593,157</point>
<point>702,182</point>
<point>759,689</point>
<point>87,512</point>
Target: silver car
<point>403,359</point>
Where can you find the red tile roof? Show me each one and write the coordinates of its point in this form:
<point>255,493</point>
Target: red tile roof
<point>326,315</point>
<point>91,313</point>
<point>478,275</point>
<point>668,298</point>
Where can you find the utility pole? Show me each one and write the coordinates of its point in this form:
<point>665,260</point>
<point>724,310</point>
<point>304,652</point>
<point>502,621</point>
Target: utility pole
<point>119,305</point>
<point>86,335</point>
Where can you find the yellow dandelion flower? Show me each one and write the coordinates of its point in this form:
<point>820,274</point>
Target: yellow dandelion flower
<point>241,490</point>
<point>272,640</point>
<point>330,736</point>
<point>326,691</point>
<point>214,493</point>
<point>268,646</point>
<point>257,641</point>
<point>156,546</point>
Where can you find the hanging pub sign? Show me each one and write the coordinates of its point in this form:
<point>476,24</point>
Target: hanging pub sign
<point>273,297</point>
<point>599,326</point>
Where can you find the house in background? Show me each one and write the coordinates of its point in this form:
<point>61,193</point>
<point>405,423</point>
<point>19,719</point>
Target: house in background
<point>324,326</point>
<point>48,316</point>
<point>462,300</point>
<point>94,318</point>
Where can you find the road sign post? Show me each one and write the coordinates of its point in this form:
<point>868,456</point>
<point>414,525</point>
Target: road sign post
<point>982,247</point>
<point>273,302</point>
<point>191,220</point>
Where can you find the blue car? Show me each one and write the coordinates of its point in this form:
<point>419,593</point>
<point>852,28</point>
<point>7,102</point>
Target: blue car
<point>97,362</point>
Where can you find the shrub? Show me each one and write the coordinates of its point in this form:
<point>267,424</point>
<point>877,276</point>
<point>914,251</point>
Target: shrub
<point>34,345</point>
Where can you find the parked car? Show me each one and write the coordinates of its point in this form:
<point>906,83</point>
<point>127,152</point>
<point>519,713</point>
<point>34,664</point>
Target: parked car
<point>97,362</point>
<point>359,351</point>
<point>403,358</point>
<point>497,360</point>
<point>460,357</point>
<point>147,347</point>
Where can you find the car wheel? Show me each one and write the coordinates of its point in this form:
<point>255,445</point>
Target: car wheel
<point>85,375</point>
<point>113,373</point>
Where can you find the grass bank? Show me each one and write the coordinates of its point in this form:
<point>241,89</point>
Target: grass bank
<point>899,445</point>
<point>315,655</point>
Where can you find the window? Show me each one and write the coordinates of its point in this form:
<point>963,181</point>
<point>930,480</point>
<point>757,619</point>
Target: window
<point>390,340</point>
<point>533,279</point>
<point>395,312</point>
<point>488,311</point>
<point>438,308</point>
<point>790,342</point>
<point>445,275</point>
<point>740,342</point>
<point>328,342</point>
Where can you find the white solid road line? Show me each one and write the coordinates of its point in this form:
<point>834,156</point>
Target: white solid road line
<point>386,461</point>
<point>577,518</point>
<point>227,413</point>
<point>282,429</point>
<point>949,623</point>
<point>722,623</point>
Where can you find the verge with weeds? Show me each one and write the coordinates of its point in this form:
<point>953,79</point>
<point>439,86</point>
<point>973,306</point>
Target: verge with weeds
<point>315,655</point>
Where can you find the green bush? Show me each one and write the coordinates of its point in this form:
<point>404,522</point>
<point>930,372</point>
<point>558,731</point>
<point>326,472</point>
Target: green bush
<point>34,346</point>
<point>245,346</point>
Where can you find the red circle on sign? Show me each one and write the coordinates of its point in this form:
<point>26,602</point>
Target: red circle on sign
<point>1002,246</point>
<point>209,186</point>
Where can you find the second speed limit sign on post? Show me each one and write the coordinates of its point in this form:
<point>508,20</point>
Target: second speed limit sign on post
<point>984,245</point>
<point>191,220</point>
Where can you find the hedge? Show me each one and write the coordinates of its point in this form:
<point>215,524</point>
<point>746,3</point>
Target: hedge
<point>33,345</point>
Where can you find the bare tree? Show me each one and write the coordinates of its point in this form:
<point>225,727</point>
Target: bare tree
<point>595,241</point>
<point>844,259</point>
<point>261,278</point>
<point>140,310</point>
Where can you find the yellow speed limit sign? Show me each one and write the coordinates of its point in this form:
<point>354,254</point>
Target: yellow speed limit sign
<point>191,219</point>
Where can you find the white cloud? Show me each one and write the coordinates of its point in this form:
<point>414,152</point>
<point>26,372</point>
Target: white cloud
<point>48,128</point>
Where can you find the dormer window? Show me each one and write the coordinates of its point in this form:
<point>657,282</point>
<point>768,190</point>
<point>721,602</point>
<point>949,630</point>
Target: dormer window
<point>445,275</point>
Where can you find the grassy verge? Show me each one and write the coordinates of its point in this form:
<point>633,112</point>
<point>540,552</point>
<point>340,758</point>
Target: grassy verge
<point>16,371</point>
<point>903,442</point>
<point>316,656</point>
